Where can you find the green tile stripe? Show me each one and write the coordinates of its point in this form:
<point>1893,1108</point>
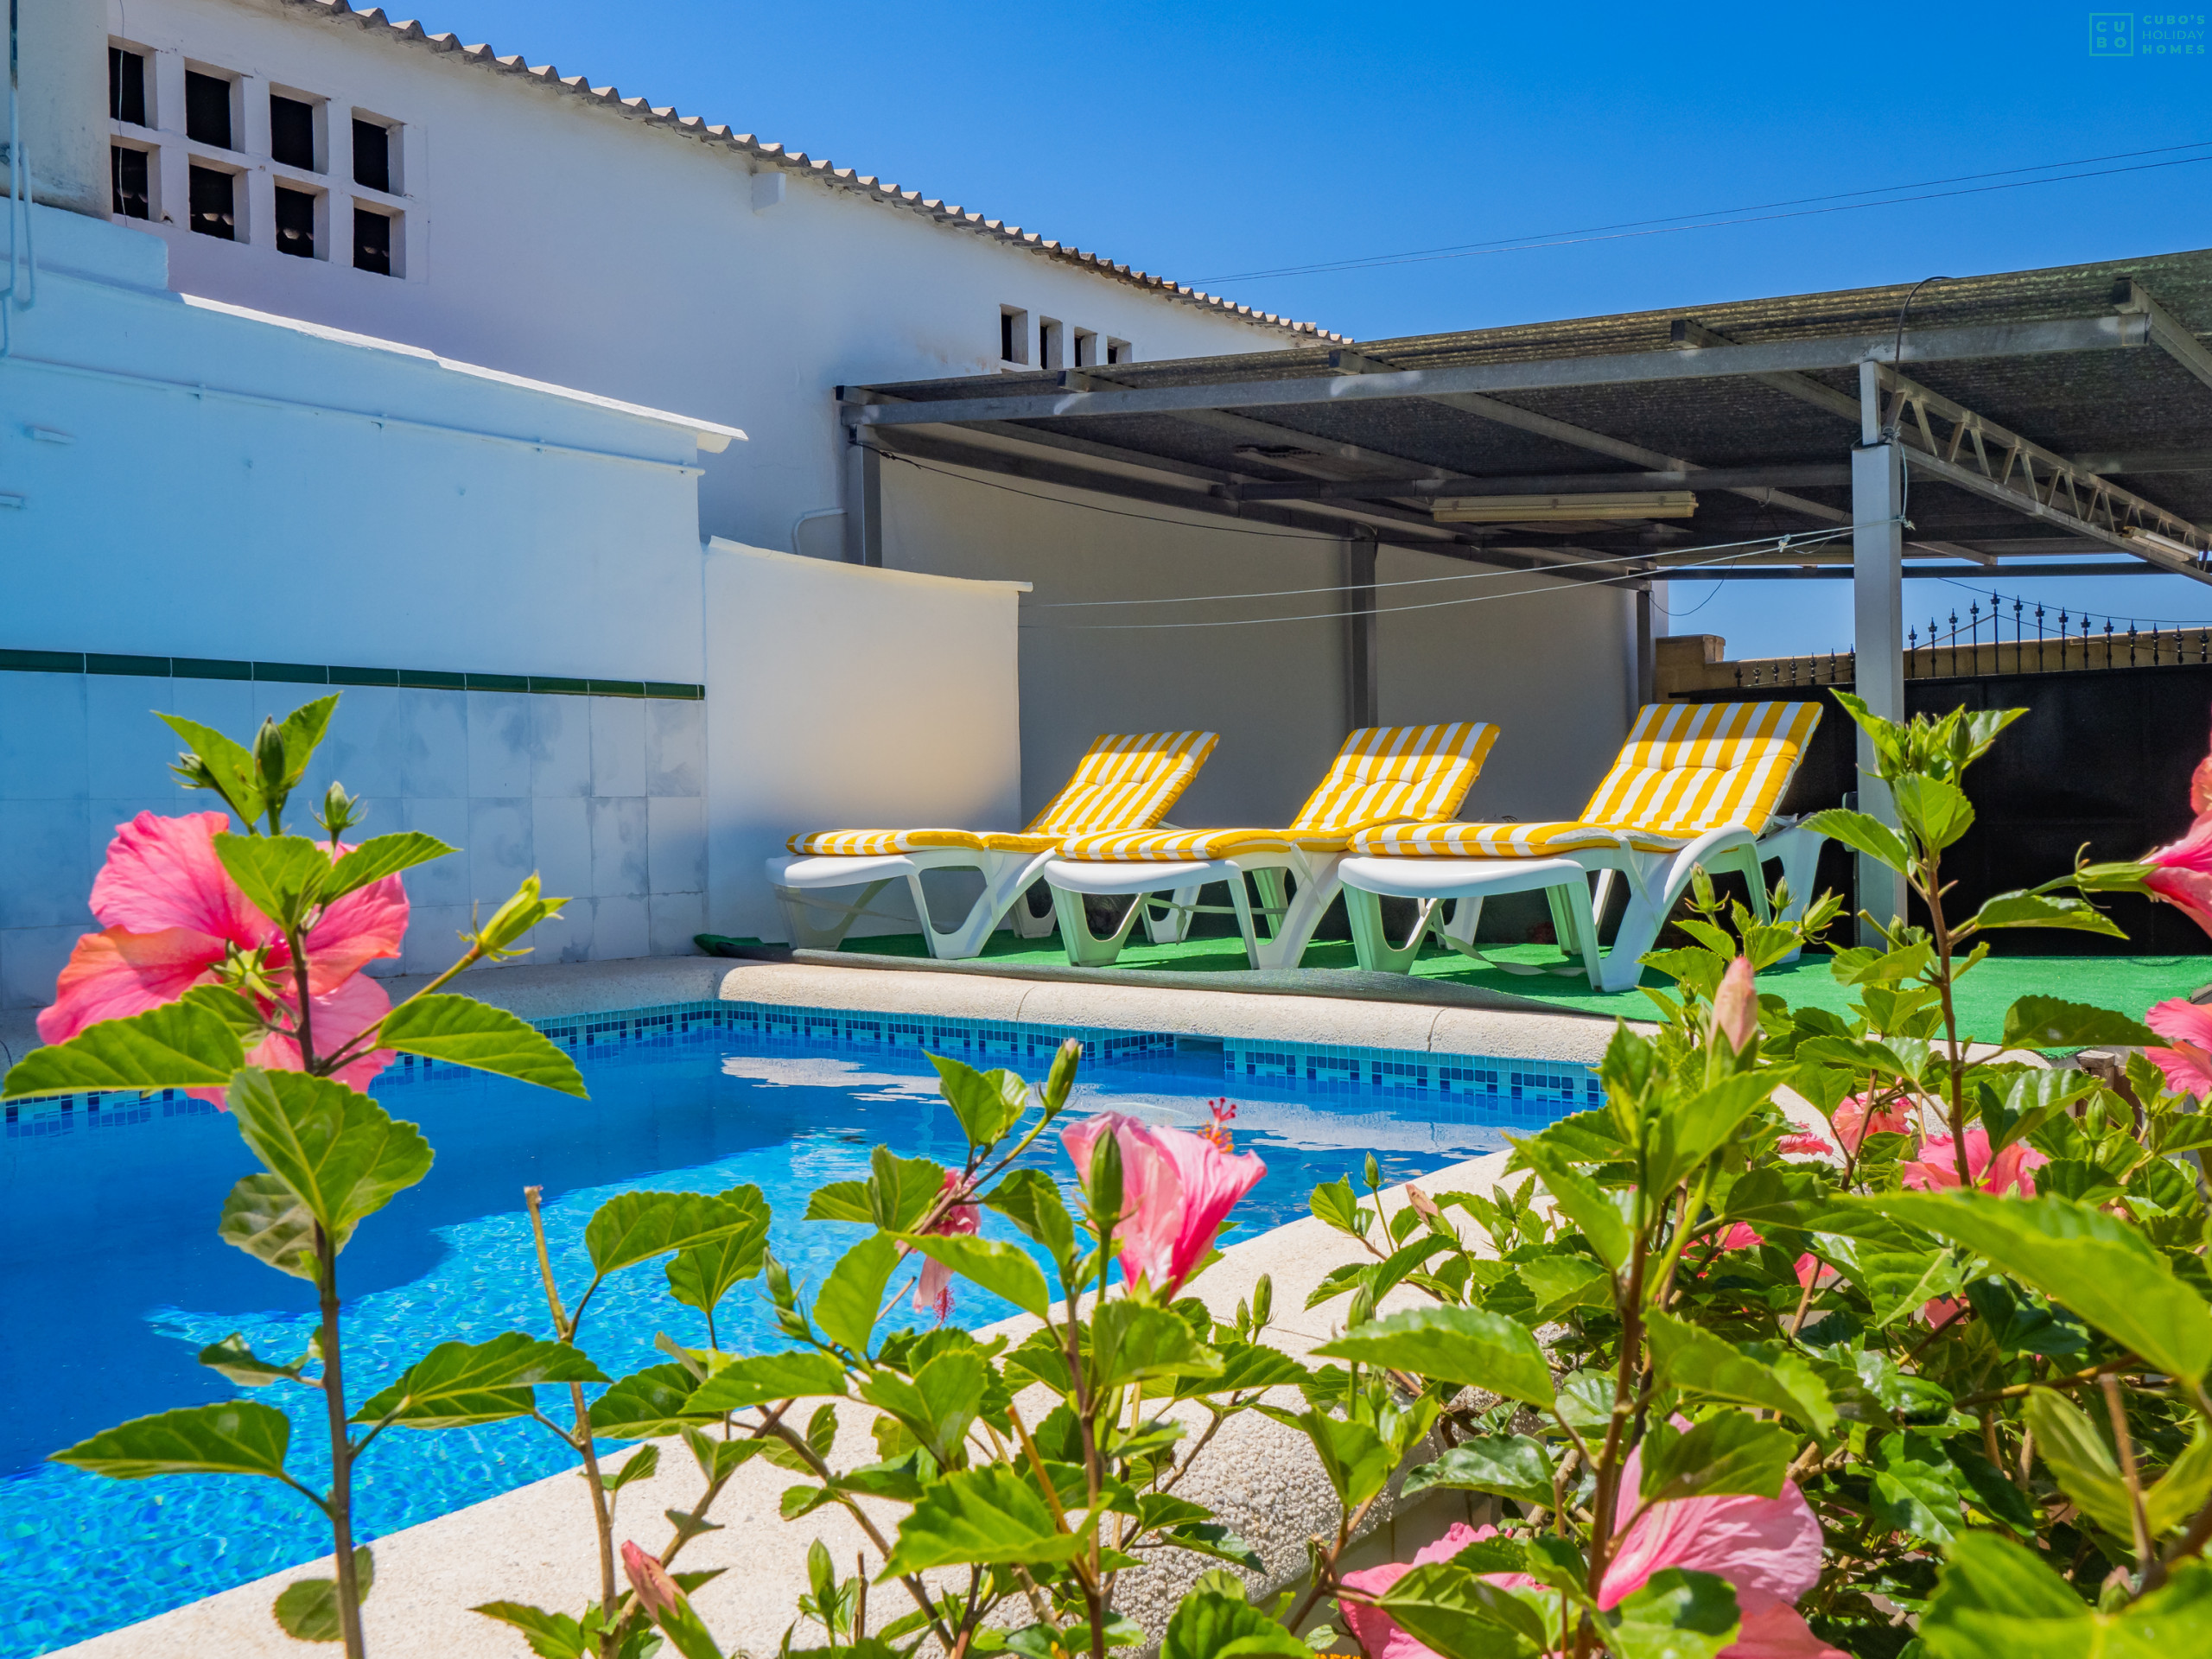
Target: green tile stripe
<point>209,668</point>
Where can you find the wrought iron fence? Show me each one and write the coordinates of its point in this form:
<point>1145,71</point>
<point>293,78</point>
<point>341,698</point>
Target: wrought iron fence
<point>2030,641</point>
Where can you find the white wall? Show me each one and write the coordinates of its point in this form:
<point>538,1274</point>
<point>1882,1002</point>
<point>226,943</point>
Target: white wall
<point>1552,668</point>
<point>563,242</point>
<point>181,481</point>
<point>846,698</point>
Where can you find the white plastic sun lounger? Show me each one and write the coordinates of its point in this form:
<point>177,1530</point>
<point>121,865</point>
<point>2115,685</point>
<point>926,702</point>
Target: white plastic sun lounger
<point>1695,786</point>
<point>1125,782</point>
<point>1382,774</point>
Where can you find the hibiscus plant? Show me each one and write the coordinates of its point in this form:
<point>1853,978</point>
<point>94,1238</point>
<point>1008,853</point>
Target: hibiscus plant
<point>230,968</point>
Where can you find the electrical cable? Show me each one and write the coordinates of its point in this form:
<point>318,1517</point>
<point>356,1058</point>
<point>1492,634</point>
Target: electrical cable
<point>1392,610</point>
<point>1523,244</point>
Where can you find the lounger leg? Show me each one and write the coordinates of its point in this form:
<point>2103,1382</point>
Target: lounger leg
<point>1296,924</point>
<point>803,912</point>
<point>1799,850</point>
<point>1458,932</point>
<point>1085,949</point>
<point>1566,900</point>
<point>1028,925</point>
<point>1371,942</point>
<point>1176,926</point>
<point>1242,901</point>
<point>1622,969</point>
<point>1270,885</point>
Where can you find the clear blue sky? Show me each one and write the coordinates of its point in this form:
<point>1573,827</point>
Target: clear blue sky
<point>1203,141</point>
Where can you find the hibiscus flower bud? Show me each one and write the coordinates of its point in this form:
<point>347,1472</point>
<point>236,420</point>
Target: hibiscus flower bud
<point>1736,1006</point>
<point>656,1592</point>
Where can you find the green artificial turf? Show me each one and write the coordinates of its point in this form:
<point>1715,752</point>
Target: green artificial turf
<point>2129,984</point>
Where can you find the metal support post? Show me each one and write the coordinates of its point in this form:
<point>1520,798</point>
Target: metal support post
<point>1878,610</point>
<point>1647,655</point>
<point>1362,697</point>
<point>863,487</point>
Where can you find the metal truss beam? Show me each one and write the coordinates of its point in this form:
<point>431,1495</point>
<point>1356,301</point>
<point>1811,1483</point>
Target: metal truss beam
<point>1711,478</point>
<point>1614,369</point>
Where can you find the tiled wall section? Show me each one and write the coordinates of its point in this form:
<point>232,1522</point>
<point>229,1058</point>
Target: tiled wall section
<point>605,796</point>
<point>1479,1088</point>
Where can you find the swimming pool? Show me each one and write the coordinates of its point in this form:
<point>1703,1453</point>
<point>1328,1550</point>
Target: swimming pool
<point>112,1277</point>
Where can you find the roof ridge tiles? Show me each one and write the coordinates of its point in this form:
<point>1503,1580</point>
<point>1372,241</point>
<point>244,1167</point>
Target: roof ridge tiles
<point>751,145</point>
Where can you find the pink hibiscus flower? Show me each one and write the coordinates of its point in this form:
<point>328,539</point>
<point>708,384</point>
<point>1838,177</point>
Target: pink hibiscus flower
<point>1177,1187</point>
<point>1936,1169</point>
<point>174,915</point>
<point>934,1289</point>
<point>1853,1122</point>
<point>2180,871</point>
<point>2188,1064</point>
<point>1744,1236</point>
<point>1768,1548</point>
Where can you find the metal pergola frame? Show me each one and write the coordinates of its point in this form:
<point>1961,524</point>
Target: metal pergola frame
<point>1359,444</point>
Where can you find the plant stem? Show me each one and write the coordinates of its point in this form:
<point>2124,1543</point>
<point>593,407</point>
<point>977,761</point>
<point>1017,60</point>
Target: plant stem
<point>2147,1562</point>
<point>1931,890</point>
<point>580,1435</point>
<point>341,1451</point>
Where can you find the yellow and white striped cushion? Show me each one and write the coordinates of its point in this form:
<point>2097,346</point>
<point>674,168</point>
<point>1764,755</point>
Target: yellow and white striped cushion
<point>1125,781</point>
<point>1382,773</point>
<point>1686,768</point>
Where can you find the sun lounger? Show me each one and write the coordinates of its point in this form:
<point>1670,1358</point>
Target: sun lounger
<point>1127,782</point>
<point>1695,786</point>
<point>1382,774</point>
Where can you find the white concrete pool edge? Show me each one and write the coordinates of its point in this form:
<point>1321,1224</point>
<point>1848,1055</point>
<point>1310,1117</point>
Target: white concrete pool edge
<point>535,1544</point>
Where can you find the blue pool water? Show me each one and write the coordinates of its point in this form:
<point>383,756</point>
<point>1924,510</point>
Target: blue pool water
<point>112,1277</point>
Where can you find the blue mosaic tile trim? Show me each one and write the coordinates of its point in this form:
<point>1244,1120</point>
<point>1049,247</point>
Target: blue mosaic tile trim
<point>1539,1090</point>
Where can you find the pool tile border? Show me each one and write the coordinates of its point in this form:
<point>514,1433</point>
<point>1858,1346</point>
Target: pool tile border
<point>1538,1091</point>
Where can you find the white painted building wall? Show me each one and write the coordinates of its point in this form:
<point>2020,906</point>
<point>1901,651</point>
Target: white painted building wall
<point>555,237</point>
<point>180,480</point>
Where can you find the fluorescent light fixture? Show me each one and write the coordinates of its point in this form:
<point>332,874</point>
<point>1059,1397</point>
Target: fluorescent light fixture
<point>1535,509</point>
<point>2164,544</point>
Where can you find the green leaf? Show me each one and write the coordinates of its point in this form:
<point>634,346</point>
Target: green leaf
<point>281,875</point>
<point>1451,1610</point>
<point>1675,1615</point>
<point>1688,1134</point>
<point>1211,1538</point>
<point>1245,1366</point>
<point>1938,812</point>
<point>2044,910</point>
<point>1210,1624</point>
<point>179,1045</point>
<point>941,1402</point>
<point>1353,1455</point>
<point>1561,1282</point>
<point>1032,1202</point>
<point>301,733</point>
<point>232,1437</point>
<point>1130,1341</point>
<point>1515,1466</point>
<point>988,1104</point>
<point>1690,1357</point>
<point>2052,1022</point>
<point>851,1298</point>
<point>765,1377</point>
<point>1334,1203</point>
<point>901,1191</point>
<point>2099,1266</point>
<point>1580,1199</point>
<point>464,1032</point>
<point>459,1384</point>
<point>378,857</point>
<point>1453,1344</point>
<point>642,1465</point>
<point>1917,1489</point>
<point>1995,1597</point>
<point>700,1275</point>
<point>2068,1442</point>
<point>1003,1269</point>
<point>235,1360</point>
<point>2182,1492</point>
<point>634,1227</point>
<point>307,1608</point>
<point>840,1201</point>
<point>648,1405</point>
<point>1862,833</point>
<point>342,1155</point>
<point>988,1515</point>
<point>230,765</point>
<point>1727,1455</point>
<point>265,1219</point>
<point>550,1636</point>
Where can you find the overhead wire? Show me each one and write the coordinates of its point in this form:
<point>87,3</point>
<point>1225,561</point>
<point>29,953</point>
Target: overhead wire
<point>1634,229</point>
